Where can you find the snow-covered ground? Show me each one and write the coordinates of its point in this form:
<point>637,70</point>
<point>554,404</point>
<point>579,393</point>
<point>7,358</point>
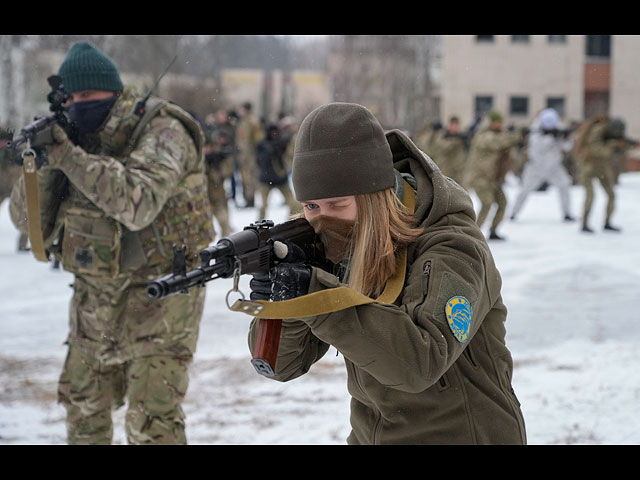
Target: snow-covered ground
<point>572,328</point>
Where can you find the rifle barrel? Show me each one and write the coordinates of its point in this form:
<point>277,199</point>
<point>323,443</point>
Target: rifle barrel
<point>171,284</point>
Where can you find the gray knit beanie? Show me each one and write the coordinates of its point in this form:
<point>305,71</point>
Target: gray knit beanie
<point>341,150</point>
<point>87,68</point>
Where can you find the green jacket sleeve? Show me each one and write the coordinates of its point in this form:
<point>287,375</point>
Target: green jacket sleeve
<point>134,191</point>
<point>410,345</point>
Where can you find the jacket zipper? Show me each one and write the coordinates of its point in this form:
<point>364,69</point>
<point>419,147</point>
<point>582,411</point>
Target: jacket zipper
<point>426,274</point>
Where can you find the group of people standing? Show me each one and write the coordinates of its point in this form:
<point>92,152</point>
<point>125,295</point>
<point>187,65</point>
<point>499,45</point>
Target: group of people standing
<point>242,151</point>
<point>539,154</point>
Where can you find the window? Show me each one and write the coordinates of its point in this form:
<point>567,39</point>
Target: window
<point>519,106</point>
<point>557,38</point>
<point>557,103</point>
<point>598,45</point>
<point>519,38</point>
<point>483,105</point>
<point>484,38</point>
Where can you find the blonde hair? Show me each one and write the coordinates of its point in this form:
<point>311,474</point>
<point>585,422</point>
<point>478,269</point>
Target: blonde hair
<point>383,227</point>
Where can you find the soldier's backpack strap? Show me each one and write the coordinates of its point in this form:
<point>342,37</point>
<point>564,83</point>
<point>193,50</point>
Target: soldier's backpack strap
<point>332,299</point>
<point>153,105</point>
<point>30,173</point>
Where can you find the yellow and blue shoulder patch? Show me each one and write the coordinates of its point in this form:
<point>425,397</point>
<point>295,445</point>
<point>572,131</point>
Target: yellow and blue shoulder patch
<point>458,313</point>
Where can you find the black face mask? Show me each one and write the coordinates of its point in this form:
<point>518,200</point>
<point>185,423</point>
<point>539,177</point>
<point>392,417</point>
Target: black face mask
<point>87,116</point>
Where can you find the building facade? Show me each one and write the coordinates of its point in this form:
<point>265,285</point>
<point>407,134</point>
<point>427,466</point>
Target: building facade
<point>519,75</point>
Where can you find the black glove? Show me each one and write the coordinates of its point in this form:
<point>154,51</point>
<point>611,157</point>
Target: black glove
<point>288,279</point>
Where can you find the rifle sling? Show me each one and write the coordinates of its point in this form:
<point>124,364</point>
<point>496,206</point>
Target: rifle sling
<point>30,173</point>
<point>332,299</point>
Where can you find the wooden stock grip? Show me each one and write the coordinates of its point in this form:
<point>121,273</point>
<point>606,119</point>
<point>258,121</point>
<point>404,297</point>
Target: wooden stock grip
<point>265,351</point>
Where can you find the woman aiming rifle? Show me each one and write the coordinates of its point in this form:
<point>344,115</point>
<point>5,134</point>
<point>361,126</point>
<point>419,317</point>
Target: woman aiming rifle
<point>430,367</point>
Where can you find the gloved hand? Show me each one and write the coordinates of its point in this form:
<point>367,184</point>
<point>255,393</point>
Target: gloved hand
<point>60,148</point>
<point>288,279</point>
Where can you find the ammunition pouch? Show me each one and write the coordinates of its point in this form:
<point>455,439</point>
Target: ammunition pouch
<point>91,243</point>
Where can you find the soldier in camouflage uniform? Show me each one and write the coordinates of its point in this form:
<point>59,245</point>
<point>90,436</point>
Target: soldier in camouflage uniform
<point>273,172</point>
<point>451,149</point>
<point>598,142</point>
<point>219,166</point>
<point>9,174</point>
<point>248,134</point>
<point>426,138</point>
<point>489,162</point>
<point>289,132</point>
<point>129,187</point>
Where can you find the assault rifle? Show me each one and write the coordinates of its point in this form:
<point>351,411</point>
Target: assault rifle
<point>38,132</point>
<point>249,251</point>
<point>563,133</point>
<point>622,139</point>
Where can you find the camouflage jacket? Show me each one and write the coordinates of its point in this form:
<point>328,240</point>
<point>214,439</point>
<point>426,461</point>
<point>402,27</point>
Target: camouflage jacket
<point>450,154</point>
<point>597,149</point>
<point>489,156</point>
<point>116,212</point>
<point>248,134</point>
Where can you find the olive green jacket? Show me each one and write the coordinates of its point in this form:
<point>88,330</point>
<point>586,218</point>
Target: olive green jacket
<point>412,381</point>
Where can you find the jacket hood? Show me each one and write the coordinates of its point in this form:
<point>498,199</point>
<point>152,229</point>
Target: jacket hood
<point>438,196</point>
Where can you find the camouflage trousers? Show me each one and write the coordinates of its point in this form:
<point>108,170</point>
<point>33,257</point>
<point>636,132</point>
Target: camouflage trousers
<point>490,193</point>
<point>248,175</point>
<point>218,201</point>
<point>127,348</point>
<point>607,177</point>
<point>265,190</point>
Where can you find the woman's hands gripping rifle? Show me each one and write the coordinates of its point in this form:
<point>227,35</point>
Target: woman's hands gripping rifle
<point>278,256</point>
<point>250,251</point>
<point>288,279</point>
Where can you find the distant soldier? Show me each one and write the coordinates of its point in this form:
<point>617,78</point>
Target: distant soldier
<point>218,155</point>
<point>489,162</point>
<point>425,140</point>
<point>597,144</point>
<point>272,170</point>
<point>9,174</point>
<point>248,134</point>
<point>288,131</point>
<point>548,143</point>
<point>123,192</point>
<point>451,148</point>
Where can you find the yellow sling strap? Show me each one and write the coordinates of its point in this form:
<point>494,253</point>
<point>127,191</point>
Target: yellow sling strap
<point>332,299</point>
<point>30,173</point>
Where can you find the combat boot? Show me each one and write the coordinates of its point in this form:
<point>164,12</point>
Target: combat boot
<point>586,229</point>
<point>495,236</point>
<point>569,218</point>
<point>608,226</point>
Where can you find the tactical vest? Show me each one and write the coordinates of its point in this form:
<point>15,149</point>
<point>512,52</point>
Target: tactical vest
<point>97,245</point>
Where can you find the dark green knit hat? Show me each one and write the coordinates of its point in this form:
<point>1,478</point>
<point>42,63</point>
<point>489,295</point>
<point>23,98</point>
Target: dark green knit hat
<point>87,68</point>
<point>341,150</point>
<point>495,116</point>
